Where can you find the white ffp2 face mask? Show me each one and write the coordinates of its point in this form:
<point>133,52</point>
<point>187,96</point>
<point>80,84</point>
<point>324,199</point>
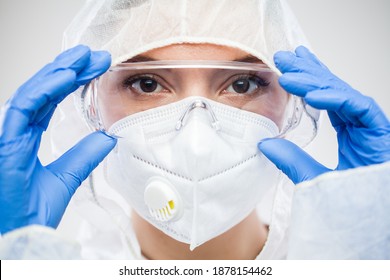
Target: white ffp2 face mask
<point>192,168</point>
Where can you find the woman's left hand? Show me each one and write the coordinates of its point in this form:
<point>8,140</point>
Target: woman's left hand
<point>363,130</point>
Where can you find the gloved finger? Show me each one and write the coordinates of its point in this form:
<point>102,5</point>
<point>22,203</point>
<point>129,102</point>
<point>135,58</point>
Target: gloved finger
<point>75,58</point>
<point>73,167</point>
<point>38,91</point>
<point>44,117</point>
<point>303,61</point>
<point>21,111</point>
<point>38,98</point>
<point>287,61</point>
<point>98,64</point>
<point>333,101</point>
<point>291,160</point>
<point>351,105</point>
<point>305,53</point>
<point>336,120</point>
<point>300,83</point>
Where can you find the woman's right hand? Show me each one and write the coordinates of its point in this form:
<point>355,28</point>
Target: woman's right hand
<point>29,192</point>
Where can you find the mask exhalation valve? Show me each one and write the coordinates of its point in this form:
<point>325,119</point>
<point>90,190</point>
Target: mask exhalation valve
<point>162,200</point>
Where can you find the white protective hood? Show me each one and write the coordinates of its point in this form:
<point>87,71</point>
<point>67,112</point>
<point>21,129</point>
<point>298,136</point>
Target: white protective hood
<point>127,28</point>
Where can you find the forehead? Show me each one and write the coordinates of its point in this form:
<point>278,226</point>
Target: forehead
<point>195,52</point>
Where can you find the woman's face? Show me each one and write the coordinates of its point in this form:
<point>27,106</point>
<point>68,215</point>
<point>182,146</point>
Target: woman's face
<point>131,91</point>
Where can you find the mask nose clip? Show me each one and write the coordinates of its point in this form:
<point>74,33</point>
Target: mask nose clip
<point>198,103</point>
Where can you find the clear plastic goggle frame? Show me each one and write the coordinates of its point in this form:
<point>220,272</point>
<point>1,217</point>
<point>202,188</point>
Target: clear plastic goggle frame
<point>191,64</point>
<point>129,88</point>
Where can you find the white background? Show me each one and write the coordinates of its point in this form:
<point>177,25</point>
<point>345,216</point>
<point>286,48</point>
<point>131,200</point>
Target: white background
<point>292,269</point>
<point>352,37</point>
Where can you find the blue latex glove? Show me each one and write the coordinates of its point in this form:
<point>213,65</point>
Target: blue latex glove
<point>29,192</point>
<point>363,130</point>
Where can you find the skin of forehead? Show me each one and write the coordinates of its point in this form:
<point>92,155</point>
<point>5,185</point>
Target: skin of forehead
<point>195,52</point>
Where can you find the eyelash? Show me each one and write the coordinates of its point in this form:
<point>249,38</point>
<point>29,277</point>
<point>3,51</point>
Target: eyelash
<point>131,80</point>
<point>129,84</point>
<point>260,82</point>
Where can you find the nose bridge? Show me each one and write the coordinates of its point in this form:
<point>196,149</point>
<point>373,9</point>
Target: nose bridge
<point>197,82</point>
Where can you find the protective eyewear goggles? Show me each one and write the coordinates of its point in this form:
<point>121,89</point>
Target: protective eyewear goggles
<point>129,88</point>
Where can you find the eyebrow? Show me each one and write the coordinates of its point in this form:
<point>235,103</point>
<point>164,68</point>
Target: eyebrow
<point>140,58</point>
<point>249,59</point>
<point>144,58</point>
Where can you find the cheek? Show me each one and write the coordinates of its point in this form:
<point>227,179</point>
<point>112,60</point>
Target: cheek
<point>272,105</point>
<point>112,111</point>
<point>116,103</point>
<point>109,113</point>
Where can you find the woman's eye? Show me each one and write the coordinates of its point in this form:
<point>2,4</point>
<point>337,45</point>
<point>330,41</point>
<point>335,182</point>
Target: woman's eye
<point>144,85</point>
<point>247,85</point>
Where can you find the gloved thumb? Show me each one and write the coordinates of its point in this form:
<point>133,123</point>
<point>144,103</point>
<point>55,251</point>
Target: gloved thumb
<point>75,165</point>
<point>291,160</point>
